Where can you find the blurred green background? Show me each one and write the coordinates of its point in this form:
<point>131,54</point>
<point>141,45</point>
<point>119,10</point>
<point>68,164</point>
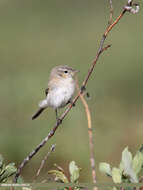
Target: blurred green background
<point>37,35</point>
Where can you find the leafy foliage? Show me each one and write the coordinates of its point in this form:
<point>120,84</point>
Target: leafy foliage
<point>6,170</point>
<point>128,170</point>
<point>60,176</point>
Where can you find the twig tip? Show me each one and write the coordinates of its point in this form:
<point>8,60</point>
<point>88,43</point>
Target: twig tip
<point>132,7</point>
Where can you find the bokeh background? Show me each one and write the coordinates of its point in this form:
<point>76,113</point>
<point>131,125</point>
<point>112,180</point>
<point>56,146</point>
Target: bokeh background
<point>38,35</point>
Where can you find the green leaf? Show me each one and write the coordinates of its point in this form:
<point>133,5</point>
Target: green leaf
<point>105,168</point>
<point>74,171</point>
<point>9,170</point>
<point>127,165</point>
<point>121,167</point>
<point>116,175</point>
<point>59,176</point>
<point>137,162</point>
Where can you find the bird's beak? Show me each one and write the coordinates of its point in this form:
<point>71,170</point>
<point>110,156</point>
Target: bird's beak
<point>76,71</point>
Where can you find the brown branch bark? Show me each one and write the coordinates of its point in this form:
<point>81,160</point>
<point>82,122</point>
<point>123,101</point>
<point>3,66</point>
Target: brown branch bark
<point>83,87</point>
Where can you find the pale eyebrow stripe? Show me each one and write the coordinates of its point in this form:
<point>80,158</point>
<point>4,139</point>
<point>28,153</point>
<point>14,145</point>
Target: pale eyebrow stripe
<point>68,68</point>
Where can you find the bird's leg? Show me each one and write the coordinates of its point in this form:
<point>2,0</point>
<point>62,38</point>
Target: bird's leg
<point>57,118</point>
<point>56,114</point>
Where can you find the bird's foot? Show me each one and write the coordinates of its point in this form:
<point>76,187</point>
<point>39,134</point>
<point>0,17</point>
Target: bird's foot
<point>71,102</point>
<point>59,121</point>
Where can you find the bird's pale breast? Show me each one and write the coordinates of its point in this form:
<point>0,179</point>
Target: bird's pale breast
<point>61,93</point>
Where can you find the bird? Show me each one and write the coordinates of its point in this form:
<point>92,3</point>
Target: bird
<point>61,87</point>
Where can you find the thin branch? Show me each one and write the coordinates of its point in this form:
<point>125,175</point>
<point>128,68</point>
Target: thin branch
<point>128,8</point>
<point>114,23</point>
<point>111,13</point>
<point>90,135</point>
<point>83,87</point>
<point>44,160</point>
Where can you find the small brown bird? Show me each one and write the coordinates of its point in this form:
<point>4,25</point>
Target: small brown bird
<point>61,87</point>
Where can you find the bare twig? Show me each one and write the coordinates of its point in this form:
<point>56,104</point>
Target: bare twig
<point>91,145</point>
<point>44,160</point>
<point>128,8</point>
<point>114,23</point>
<point>111,12</point>
<point>83,87</point>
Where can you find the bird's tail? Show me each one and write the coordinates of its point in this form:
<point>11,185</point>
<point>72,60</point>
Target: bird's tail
<point>38,113</point>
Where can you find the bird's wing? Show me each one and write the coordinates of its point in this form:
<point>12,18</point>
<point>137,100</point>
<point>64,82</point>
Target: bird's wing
<point>46,91</point>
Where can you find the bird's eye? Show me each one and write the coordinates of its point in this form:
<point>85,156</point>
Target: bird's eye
<point>65,71</point>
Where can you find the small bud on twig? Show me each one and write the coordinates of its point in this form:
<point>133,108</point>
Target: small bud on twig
<point>130,2</point>
<point>132,7</point>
